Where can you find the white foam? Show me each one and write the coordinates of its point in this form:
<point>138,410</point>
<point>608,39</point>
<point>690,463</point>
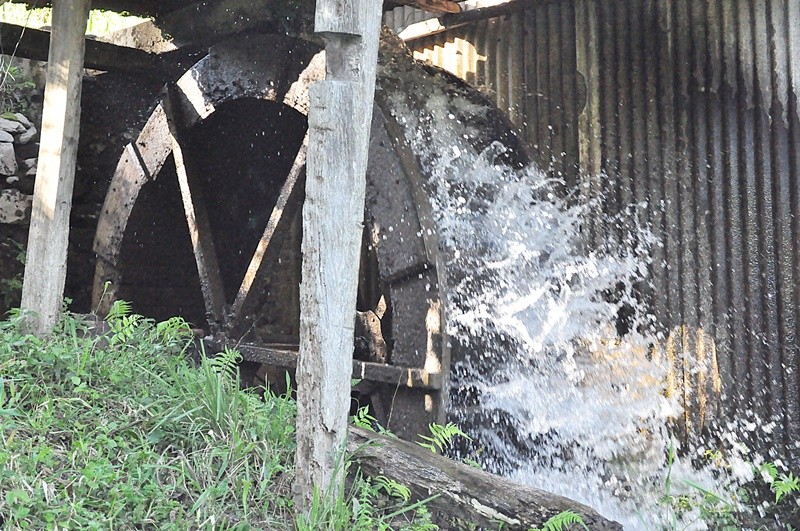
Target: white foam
<point>589,404</point>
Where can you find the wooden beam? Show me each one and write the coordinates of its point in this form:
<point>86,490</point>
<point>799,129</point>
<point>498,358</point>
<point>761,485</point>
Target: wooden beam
<point>333,214</point>
<point>194,206</point>
<point>34,44</point>
<point>285,357</point>
<point>455,20</point>
<point>46,266</point>
<point>464,492</point>
<point>432,6</point>
<point>207,23</point>
<point>266,253</point>
<point>135,7</point>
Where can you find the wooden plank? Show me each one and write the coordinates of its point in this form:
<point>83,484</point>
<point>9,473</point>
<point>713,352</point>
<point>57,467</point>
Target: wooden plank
<point>339,128</point>
<point>395,231</point>
<point>46,267</point>
<point>274,234</point>
<point>194,206</point>
<point>33,44</point>
<point>207,23</point>
<point>432,6</point>
<point>286,357</point>
<point>455,19</point>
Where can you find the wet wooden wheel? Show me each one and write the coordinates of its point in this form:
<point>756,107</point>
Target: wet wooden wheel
<point>202,219</point>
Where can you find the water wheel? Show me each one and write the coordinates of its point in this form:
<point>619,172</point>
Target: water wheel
<point>202,220</point>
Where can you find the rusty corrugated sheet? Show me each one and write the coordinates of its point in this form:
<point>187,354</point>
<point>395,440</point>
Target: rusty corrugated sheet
<point>691,108</point>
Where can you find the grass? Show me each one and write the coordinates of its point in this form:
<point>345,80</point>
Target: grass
<point>126,433</point>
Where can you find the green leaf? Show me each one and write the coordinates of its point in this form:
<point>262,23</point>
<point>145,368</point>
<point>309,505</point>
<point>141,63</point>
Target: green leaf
<point>561,522</point>
<point>785,485</point>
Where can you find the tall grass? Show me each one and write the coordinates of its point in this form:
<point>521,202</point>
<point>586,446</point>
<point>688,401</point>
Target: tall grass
<point>125,432</point>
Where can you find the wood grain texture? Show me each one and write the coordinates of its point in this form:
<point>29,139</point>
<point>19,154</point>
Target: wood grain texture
<point>46,267</point>
<point>464,492</point>
<point>333,214</point>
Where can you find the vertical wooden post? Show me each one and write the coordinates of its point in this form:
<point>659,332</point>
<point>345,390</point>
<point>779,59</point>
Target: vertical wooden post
<point>46,267</point>
<point>333,214</point>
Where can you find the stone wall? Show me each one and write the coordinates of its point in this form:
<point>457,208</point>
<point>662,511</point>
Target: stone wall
<point>19,148</point>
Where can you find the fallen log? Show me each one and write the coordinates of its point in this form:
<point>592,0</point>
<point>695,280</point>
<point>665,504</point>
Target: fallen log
<point>464,492</point>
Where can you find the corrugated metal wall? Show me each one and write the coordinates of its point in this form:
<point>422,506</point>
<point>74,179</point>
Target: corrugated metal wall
<point>689,106</point>
<point>526,63</point>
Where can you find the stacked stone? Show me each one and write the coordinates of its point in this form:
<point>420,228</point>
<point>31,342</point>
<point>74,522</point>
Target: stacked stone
<point>19,148</point>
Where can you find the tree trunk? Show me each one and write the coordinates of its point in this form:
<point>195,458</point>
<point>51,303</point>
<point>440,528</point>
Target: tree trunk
<point>464,492</point>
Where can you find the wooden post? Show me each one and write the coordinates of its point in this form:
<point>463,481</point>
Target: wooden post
<point>333,214</point>
<point>46,267</point>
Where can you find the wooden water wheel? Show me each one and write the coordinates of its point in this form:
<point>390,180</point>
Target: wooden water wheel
<point>223,156</point>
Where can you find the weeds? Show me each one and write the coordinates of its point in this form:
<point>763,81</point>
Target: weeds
<point>124,432</point>
<point>441,437</point>
<point>16,90</point>
<point>699,503</point>
<point>562,521</point>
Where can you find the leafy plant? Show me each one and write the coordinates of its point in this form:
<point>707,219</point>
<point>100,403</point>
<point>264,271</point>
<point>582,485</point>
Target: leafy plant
<point>371,503</point>
<point>441,436</point>
<point>122,432</point>
<point>364,419</point>
<point>392,488</point>
<point>708,505</point>
<point>561,522</point>
<point>784,485</point>
<point>16,89</point>
<point>226,362</point>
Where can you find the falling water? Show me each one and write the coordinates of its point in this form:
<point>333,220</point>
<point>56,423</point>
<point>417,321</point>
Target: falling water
<point>554,374</point>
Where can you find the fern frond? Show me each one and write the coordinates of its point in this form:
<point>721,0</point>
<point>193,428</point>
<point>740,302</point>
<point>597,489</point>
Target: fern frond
<point>785,485</point>
<point>441,436</point>
<point>562,522</point>
<point>393,488</point>
<point>119,310</point>
<point>768,471</point>
<point>363,419</point>
<point>226,362</point>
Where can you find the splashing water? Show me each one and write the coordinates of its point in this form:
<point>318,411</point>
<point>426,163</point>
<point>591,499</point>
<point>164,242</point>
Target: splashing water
<point>543,379</point>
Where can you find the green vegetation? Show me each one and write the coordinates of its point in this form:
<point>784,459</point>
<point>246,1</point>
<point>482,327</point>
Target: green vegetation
<point>441,437</point>
<point>125,432</point>
<point>16,89</point>
<point>562,522</point>
<point>722,512</point>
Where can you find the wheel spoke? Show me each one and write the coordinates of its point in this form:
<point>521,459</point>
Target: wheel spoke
<point>194,206</point>
<point>274,233</point>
